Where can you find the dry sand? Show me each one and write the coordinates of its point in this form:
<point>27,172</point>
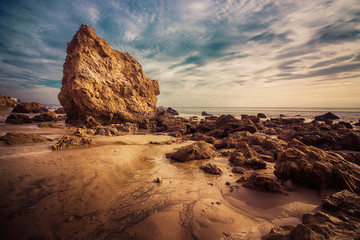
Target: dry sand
<point>108,192</point>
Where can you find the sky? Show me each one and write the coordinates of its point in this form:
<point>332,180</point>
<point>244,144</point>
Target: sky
<point>204,53</point>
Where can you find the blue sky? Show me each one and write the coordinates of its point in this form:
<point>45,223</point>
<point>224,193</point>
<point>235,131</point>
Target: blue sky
<point>234,53</point>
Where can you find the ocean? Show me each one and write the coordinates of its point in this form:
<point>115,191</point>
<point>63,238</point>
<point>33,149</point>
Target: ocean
<point>345,114</point>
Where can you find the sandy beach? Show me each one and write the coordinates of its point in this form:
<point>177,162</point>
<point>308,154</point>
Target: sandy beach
<point>108,192</point>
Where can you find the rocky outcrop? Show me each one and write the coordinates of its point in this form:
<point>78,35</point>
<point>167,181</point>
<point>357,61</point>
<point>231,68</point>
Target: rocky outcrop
<point>224,125</point>
<point>326,116</point>
<point>261,115</point>
<point>26,107</point>
<point>60,110</point>
<point>328,137</point>
<point>212,169</point>
<point>339,219</point>
<point>172,111</point>
<point>45,117</point>
<point>6,102</point>
<point>18,119</point>
<point>67,142</point>
<point>105,84</point>
<point>12,138</point>
<point>264,183</point>
<point>202,137</point>
<point>343,203</point>
<point>313,167</point>
<point>195,151</point>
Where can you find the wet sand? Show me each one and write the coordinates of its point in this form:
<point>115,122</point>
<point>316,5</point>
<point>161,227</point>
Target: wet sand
<point>108,192</point>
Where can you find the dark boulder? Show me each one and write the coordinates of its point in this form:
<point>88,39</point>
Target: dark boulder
<point>202,137</point>
<point>339,221</point>
<point>261,115</point>
<point>238,170</point>
<point>26,107</point>
<point>254,119</point>
<point>343,203</point>
<point>205,114</point>
<point>326,116</point>
<point>172,111</point>
<point>60,110</point>
<point>212,169</point>
<point>45,117</point>
<point>18,119</point>
<point>313,167</point>
<point>195,151</point>
<point>264,183</point>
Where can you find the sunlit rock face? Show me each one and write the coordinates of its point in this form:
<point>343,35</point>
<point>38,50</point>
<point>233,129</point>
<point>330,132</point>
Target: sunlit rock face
<point>105,84</point>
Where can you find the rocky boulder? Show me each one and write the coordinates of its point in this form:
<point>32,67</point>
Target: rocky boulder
<point>261,115</point>
<point>67,142</point>
<point>103,83</point>
<point>172,111</point>
<point>26,107</point>
<point>202,137</point>
<point>238,159</point>
<point>343,203</point>
<point>12,138</point>
<point>60,110</point>
<point>6,102</point>
<point>195,151</point>
<point>313,167</point>
<point>212,169</point>
<point>339,219</point>
<point>264,183</point>
<point>326,116</point>
<point>18,119</point>
<point>45,117</point>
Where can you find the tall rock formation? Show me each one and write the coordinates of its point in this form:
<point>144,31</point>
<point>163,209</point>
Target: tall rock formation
<point>105,84</point>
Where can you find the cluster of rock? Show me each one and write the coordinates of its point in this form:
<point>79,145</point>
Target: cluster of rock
<point>6,102</point>
<point>339,218</point>
<point>29,107</point>
<point>22,118</point>
<point>308,154</point>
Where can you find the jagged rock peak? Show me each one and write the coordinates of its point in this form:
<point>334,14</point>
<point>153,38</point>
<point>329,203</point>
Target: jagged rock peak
<point>105,84</point>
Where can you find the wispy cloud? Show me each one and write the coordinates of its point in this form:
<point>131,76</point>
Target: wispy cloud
<point>230,51</point>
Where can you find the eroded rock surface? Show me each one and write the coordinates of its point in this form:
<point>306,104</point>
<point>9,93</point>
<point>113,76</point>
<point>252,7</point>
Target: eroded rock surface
<point>67,142</point>
<point>26,107</point>
<point>338,220</point>
<point>313,167</point>
<point>45,117</point>
<point>18,119</point>
<point>103,83</point>
<point>212,169</point>
<point>264,183</point>
<point>12,138</point>
<point>195,151</point>
<point>6,101</point>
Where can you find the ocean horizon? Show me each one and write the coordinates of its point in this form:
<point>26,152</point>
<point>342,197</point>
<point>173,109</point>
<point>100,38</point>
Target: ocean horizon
<point>345,114</point>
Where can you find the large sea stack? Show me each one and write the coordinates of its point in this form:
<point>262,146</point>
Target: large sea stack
<point>104,83</point>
